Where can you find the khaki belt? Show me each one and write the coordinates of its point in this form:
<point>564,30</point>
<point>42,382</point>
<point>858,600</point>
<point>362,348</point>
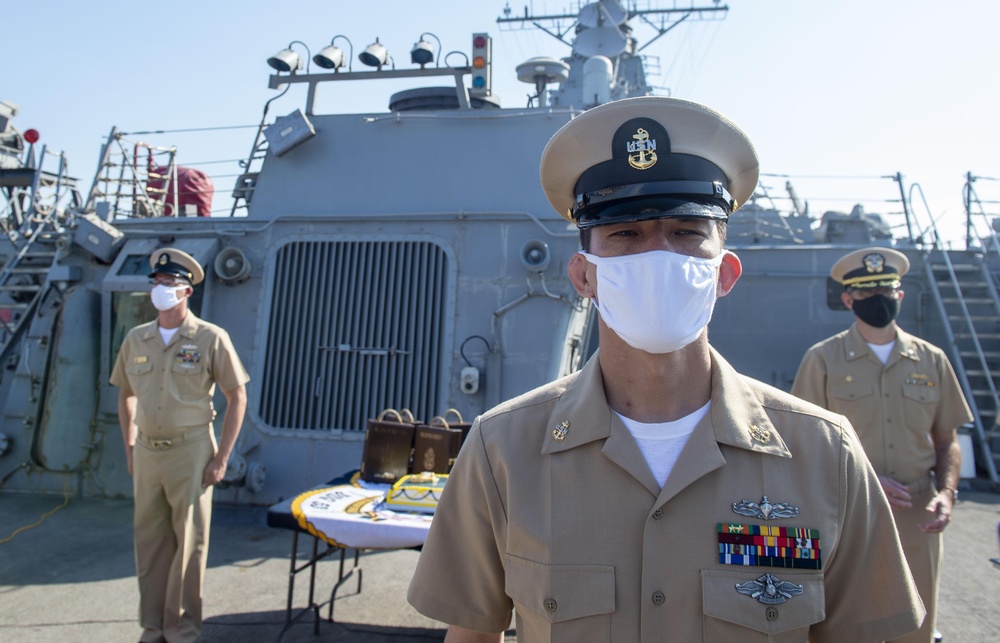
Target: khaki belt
<point>165,443</point>
<point>920,485</point>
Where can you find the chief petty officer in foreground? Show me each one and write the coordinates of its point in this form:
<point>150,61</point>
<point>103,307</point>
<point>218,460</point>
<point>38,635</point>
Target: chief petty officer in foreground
<point>658,494</point>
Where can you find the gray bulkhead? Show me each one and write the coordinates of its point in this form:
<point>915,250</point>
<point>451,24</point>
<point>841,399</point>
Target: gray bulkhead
<point>381,229</point>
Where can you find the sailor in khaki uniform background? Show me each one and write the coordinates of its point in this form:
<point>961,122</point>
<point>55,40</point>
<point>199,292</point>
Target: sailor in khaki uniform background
<point>901,395</point>
<point>167,371</point>
<point>658,494</point>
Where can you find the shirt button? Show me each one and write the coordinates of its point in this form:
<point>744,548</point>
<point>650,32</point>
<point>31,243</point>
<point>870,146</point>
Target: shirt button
<point>771,613</point>
<point>551,605</point>
<point>659,598</point>
<point>658,514</point>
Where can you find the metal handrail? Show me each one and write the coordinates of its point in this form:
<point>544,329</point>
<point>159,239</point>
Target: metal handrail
<point>957,360</point>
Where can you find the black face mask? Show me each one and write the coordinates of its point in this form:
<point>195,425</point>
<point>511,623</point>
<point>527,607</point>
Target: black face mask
<point>877,310</point>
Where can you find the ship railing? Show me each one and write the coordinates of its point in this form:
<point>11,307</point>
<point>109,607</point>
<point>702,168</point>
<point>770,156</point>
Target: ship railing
<point>981,227</point>
<point>24,280</point>
<point>35,191</point>
<point>937,258</point>
<point>137,179</point>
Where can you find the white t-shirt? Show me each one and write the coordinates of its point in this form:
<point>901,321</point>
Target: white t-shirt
<point>882,351</point>
<point>168,333</point>
<point>661,442</point>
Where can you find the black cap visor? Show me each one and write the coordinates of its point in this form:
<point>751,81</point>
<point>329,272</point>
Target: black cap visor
<point>174,269</point>
<point>655,206</point>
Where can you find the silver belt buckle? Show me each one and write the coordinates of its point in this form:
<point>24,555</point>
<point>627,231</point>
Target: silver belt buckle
<point>160,444</point>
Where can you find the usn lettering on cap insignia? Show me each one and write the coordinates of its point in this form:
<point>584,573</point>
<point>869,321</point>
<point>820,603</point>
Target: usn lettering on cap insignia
<point>769,589</point>
<point>765,509</point>
<point>164,259</point>
<point>874,262</point>
<point>769,546</point>
<point>642,151</point>
<point>760,434</point>
<point>559,433</point>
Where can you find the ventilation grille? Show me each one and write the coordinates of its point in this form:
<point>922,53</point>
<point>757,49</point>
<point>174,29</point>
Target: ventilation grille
<point>355,327</point>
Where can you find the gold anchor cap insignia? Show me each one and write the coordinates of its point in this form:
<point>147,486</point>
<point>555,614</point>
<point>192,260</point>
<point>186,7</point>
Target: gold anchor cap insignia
<point>874,262</point>
<point>559,433</point>
<point>642,151</point>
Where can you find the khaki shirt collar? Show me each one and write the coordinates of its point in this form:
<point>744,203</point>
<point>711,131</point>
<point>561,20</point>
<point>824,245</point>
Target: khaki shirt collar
<point>737,417</point>
<point>188,328</point>
<point>856,347</point>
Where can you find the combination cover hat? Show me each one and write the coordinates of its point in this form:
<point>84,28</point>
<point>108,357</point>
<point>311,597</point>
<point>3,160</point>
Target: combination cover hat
<point>871,268</point>
<point>171,261</point>
<point>648,157</point>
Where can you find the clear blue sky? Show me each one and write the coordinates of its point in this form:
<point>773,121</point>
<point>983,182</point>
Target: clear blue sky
<point>849,88</point>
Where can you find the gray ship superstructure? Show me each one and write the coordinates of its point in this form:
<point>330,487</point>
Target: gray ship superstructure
<point>405,259</point>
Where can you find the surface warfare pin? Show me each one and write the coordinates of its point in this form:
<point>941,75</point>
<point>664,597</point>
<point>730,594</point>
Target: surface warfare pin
<point>769,589</point>
<point>765,509</point>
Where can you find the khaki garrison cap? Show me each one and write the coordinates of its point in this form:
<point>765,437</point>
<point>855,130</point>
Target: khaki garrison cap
<point>646,158</point>
<point>871,268</point>
<point>171,261</point>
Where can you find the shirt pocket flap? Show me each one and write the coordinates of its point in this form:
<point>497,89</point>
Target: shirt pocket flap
<point>925,393</point>
<point>855,390</point>
<point>560,592</point>
<point>139,368</point>
<point>722,600</point>
<point>187,368</point>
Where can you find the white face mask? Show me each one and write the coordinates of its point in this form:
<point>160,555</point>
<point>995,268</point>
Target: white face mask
<point>165,297</point>
<point>656,301</point>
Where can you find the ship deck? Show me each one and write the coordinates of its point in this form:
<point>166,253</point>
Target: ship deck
<point>71,578</point>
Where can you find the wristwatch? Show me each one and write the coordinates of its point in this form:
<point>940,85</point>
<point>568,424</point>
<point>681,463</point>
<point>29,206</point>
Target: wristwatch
<point>954,493</point>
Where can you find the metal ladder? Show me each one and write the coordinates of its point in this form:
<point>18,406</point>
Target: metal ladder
<point>24,279</point>
<point>967,300</point>
<point>131,185</point>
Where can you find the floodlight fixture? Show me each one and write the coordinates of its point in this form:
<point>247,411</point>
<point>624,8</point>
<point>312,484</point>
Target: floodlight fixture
<point>374,55</point>
<point>422,52</point>
<point>287,60</point>
<point>332,57</point>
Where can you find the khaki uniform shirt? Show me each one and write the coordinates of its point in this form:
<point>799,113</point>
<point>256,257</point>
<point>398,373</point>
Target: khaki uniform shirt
<point>577,537</point>
<point>894,407</point>
<point>174,384</point>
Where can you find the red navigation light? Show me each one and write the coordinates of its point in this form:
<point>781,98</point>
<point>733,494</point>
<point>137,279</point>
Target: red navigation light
<point>32,136</point>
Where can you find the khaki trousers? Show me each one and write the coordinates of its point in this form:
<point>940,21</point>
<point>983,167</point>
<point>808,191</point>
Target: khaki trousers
<point>173,514</point>
<point>923,555</point>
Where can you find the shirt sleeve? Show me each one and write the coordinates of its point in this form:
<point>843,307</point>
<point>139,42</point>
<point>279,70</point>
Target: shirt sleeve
<point>810,381</point>
<point>460,577</point>
<point>118,376</point>
<point>227,369</point>
<point>870,594</point>
<point>952,410</point>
